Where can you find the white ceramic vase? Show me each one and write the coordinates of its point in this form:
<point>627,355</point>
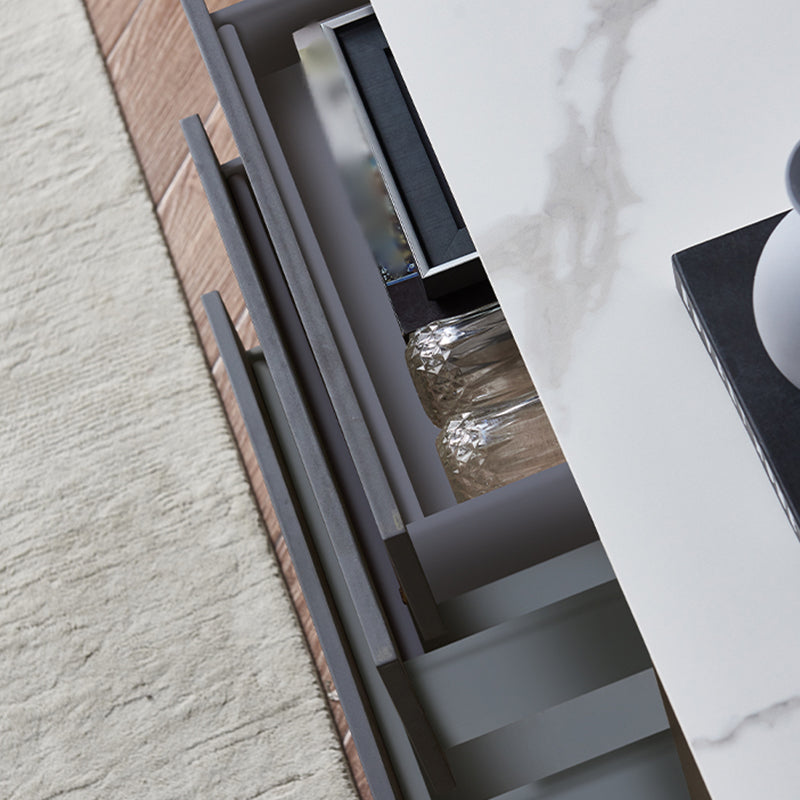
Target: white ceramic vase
<point>776,288</point>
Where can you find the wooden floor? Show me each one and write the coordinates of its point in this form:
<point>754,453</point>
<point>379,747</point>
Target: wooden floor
<point>159,78</point>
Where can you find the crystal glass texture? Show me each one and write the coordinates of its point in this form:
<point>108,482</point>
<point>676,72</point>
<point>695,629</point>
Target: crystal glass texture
<point>463,361</point>
<point>490,447</point>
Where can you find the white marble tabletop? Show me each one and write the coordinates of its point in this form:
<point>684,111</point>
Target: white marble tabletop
<point>585,142</point>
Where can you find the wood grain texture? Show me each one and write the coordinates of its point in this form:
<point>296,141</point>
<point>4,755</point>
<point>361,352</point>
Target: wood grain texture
<point>159,78</point>
<point>109,18</point>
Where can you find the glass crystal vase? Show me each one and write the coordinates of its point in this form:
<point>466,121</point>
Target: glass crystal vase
<point>490,447</point>
<point>463,361</point>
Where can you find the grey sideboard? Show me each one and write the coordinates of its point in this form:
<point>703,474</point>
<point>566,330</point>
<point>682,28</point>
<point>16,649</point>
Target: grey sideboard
<point>480,650</point>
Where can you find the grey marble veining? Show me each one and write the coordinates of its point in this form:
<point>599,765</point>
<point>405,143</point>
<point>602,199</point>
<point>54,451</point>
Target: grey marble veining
<point>767,717</point>
<point>572,244</point>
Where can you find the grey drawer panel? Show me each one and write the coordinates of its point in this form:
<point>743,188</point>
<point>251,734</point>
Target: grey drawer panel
<point>292,401</point>
<point>275,194</point>
<point>315,589</point>
<point>502,532</point>
<point>527,590</point>
<point>376,550</point>
<point>645,770</point>
<point>364,440</point>
<point>563,737</point>
<point>526,665</point>
<point>243,245</point>
<point>283,411</point>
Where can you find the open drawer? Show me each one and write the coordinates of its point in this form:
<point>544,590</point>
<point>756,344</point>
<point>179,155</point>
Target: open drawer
<point>480,649</point>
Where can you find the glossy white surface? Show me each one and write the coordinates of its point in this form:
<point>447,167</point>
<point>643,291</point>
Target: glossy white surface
<point>776,297</point>
<point>585,142</point>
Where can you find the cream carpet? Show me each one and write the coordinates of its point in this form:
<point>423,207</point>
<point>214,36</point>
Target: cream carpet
<point>148,647</point>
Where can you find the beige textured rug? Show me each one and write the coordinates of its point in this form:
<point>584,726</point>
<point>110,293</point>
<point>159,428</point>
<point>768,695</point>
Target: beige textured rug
<point>147,644</point>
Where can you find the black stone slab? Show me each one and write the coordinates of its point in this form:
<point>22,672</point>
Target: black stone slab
<point>715,280</point>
